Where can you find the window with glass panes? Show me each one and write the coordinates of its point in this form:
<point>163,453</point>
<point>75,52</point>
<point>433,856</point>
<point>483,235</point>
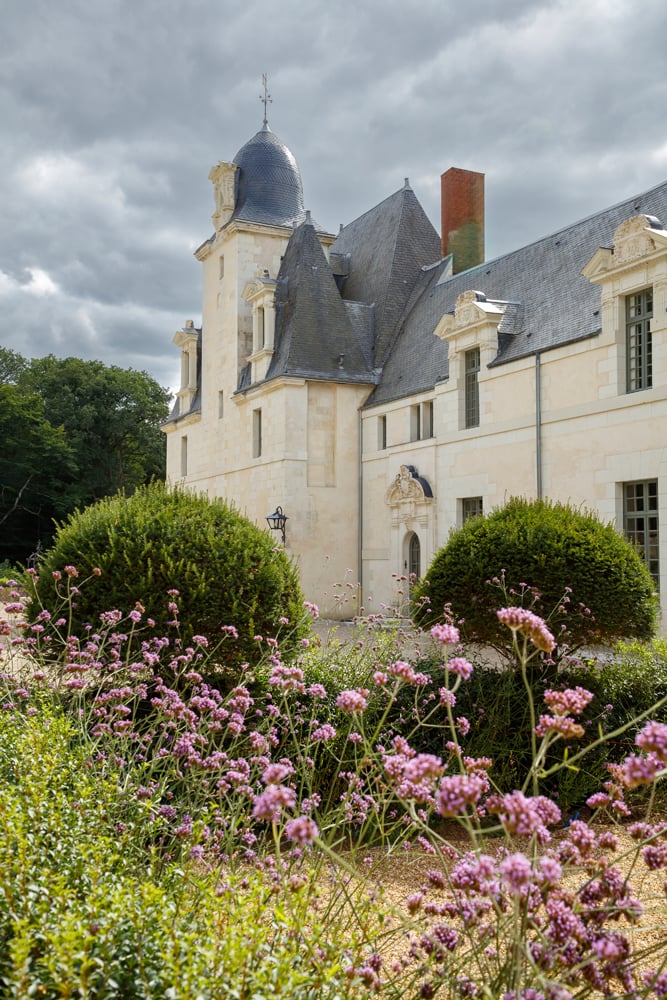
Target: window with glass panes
<point>640,521</point>
<point>471,374</point>
<point>639,349</point>
<point>471,507</point>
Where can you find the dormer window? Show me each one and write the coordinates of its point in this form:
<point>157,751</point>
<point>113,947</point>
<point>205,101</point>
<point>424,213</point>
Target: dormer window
<point>189,341</point>
<point>260,293</point>
<point>639,348</point>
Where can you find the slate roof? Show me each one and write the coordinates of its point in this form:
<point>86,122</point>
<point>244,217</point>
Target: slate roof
<point>387,247</point>
<point>318,335</point>
<point>268,183</point>
<point>552,302</point>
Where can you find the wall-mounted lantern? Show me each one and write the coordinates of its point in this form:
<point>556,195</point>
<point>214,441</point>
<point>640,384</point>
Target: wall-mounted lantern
<point>277,521</point>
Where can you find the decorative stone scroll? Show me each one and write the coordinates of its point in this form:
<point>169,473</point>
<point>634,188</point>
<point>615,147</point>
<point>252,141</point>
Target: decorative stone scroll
<point>222,176</point>
<point>472,311</point>
<point>634,238</point>
<point>410,497</point>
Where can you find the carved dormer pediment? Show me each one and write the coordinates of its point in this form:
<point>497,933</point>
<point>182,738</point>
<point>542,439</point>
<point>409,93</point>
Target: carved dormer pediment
<point>474,322</point>
<point>259,287</point>
<point>636,239</point>
<point>409,495</point>
<point>223,178</point>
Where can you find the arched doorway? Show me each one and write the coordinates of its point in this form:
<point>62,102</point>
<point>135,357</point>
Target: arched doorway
<point>413,558</point>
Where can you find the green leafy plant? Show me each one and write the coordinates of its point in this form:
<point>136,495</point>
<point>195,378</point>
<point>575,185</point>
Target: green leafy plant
<point>537,552</point>
<point>187,560</point>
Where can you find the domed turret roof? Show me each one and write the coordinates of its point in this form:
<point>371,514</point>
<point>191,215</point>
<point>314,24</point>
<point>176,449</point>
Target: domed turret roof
<point>269,183</point>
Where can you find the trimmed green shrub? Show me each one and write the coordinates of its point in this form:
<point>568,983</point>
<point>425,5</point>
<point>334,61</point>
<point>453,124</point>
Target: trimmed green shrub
<point>226,570</point>
<point>578,573</point>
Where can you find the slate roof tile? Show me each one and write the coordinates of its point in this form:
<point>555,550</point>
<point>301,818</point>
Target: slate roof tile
<point>552,302</point>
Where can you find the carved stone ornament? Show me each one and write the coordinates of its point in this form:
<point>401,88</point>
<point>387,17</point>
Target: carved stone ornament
<point>466,310</point>
<point>471,310</point>
<point>222,176</point>
<point>633,239</point>
<point>409,496</point>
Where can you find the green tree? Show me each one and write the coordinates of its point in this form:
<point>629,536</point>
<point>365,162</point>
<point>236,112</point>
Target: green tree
<point>34,458</point>
<point>107,420</point>
<point>563,563</point>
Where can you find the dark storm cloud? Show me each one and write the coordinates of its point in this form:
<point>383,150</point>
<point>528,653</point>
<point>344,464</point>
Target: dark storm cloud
<point>114,112</point>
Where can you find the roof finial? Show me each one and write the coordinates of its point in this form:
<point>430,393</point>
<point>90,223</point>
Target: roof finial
<point>265,97</point>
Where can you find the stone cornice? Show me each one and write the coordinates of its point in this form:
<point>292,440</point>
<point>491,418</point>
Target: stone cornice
<point>235,226</point>
<point>178,423</point>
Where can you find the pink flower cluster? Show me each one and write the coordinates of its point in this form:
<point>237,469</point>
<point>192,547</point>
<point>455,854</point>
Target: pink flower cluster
<point>525,816</point>
<point>447,635</point>
<point>353,701</point>
<point>407,673</point>
<point>457,792</point>
<point>531,625</point>
<point>460,666</point>
<point>653,739</point>
<point>572,701</point>
<point>413,775</point>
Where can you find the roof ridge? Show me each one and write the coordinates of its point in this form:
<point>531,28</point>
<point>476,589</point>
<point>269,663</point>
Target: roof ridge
<point>573,225</point>
<point>374,209</point>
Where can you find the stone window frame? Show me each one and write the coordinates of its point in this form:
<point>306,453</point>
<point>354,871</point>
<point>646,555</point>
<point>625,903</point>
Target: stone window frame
<point>641,524</point>
<point>257,443</point>
<point>471,507</point>
<point>471,370</point>
<point>638,340</point>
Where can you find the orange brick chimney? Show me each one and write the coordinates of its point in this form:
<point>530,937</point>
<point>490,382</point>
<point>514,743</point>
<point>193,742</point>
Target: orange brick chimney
<point>462,200</point>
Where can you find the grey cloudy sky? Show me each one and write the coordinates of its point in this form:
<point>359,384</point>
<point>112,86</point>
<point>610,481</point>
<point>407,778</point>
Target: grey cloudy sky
<point>112,113</point>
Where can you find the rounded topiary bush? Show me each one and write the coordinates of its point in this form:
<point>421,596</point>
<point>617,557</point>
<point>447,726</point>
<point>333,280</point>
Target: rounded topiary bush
<point>551,548</point>
<point>226,570</point>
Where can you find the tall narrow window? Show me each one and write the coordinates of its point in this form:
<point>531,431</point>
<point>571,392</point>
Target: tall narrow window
<point>221,404</point>
<point>415,423</point>
<point>427,419</point>
<point>256,433</point>
<point>471,375</point>
<point>184,456</point>
<point>414,559</point>
<point>382,433</point>
<point>639,349</point>
<point>221,265</point>
<point>640,522</point>
<point>261,336</point>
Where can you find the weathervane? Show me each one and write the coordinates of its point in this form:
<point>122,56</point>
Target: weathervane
<point>265,97</point>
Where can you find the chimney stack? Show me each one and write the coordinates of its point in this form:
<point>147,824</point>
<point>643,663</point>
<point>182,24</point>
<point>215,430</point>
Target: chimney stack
<point>462,201</point>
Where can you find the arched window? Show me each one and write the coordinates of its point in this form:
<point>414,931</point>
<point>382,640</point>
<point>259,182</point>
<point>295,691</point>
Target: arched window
<point>414,558</point>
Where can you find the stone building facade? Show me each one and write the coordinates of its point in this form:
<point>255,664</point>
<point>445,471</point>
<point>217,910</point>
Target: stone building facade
<point>384,384</point>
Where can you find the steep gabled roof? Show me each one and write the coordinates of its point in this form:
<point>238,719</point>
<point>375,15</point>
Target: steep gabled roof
<point>387,248</point>
<point>317,334</point>
<point>552,302</point>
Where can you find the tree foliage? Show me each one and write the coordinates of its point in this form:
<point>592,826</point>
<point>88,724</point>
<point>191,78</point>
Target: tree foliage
<point>225,569</point>
<point>539,553</point>
<point>73,431</point>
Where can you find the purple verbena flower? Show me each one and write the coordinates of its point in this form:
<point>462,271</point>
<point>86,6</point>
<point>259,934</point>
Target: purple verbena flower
<point>303,830</point>
<point>529,624</point>
<point>653,739</point>
<point>447,635</point>
<point>270,802</point>
<point>460,666</point>
<point>353,701</point>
